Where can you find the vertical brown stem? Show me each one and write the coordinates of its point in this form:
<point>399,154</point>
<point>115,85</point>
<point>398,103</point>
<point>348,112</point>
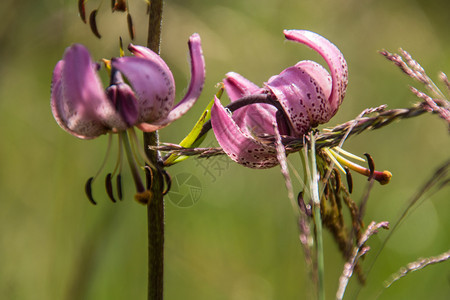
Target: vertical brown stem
<point>155,207</point>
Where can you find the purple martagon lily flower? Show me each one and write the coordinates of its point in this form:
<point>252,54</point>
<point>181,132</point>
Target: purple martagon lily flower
<point>306,94</point>
<point>83,108</point>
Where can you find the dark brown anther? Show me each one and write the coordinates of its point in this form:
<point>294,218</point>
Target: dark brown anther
<point>93,23</point>
<point>130,26</point>
<point>337,178</point>
<point>82,10</point>
<point>168,181</point>
<point>326,190</point>
<point>119,5</point>
<point>371,165</point>
<point>109,187</point>
<point>300,202</point>
<point>349,179</point>
<point>119,186</point>
<point>148,177</point>
<point>88,190</point>
<point>303,207</point>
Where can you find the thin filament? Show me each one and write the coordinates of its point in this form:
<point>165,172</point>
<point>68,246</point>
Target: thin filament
<point>132,163</point>
<point>118,166</point>
<point>108,151</point>
<point>138,146</point>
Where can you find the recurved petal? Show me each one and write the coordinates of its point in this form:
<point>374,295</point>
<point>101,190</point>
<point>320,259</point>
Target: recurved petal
<point>253,119</point>
<point>301,97</point>
<point>319,108</point>
<point>57,101</point>
<point>153,84</point>
<point>238,86</point>
<point>256,119</point>
<point>144,52</point>
<point>332,56</point>
<point>239,146</point>
<point>78,100</point>
<point>195,86</point>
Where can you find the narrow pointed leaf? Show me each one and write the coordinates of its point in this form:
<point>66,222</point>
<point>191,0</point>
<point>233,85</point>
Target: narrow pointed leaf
<point>191,140</point>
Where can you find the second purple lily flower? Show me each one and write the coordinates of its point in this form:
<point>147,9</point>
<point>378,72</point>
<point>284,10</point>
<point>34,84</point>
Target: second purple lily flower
<point>306,96</point>
<point>83,108</point>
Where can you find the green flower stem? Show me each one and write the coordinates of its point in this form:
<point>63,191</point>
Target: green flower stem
<point>317,220</point>
<point>155,206</point>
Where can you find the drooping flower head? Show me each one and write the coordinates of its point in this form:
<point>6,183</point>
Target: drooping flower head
<point>83,108</point>
<point>307,95</point>
<point>290,104</point>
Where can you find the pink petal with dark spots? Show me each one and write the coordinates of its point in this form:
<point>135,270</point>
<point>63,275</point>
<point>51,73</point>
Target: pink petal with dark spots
<point>323,79</point>
<point>78,101</point>
<point>153,84</point>
<point>255,119</point>
<point>238,86</point>
<point>196,84</point>
<point>301,97</point>
<point>239,146</point>
<point>332,56</point>
<point>144,52</point>
<point>194,90</point>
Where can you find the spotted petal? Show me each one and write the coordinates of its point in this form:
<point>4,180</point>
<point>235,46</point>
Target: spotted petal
<point>238,145</point>
<point>238,86</point>
<point>196,84</point>
<point>323,79</point>
<point>167,114</point>
<point>78,101</point>
<point>253,119</point>
<point>153,84</point>
<point>332,56</point>
<point>302,97</point>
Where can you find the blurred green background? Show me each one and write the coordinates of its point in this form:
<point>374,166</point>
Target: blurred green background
<point>240,240</point>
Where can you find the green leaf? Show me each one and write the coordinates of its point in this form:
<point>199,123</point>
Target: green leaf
<point>191,141</point>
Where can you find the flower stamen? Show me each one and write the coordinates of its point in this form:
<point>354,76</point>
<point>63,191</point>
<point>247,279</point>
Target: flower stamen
<point>371,165</point>
<point>167,180</point>
<point>90,181</point>
<point>382,177</point>
<point>348,154</point>
<point>140,150</point>
<point>132,163</point>
<point>109,187</point>
<point>149,177</point>
<point>348,175</point>
<point>119,186</point>
<point>331,155</point>
<point>88,190</point>
<point>118,168</point>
